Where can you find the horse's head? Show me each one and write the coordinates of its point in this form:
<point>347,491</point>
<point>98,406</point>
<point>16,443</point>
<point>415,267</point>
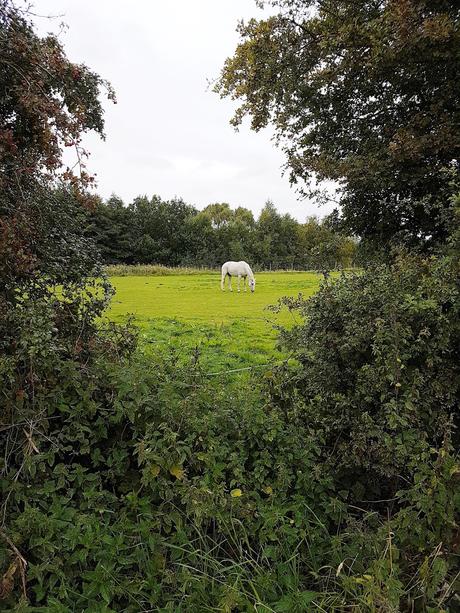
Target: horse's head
<point>252,284</point>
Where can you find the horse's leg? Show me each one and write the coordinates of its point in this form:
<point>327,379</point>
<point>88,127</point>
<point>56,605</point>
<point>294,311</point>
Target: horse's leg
<point>230,283</point>
<point>239,280</point>
<point>222,281</point>
<point>245,279</point>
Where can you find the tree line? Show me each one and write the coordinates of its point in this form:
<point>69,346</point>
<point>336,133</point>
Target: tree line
<point>174,233</point>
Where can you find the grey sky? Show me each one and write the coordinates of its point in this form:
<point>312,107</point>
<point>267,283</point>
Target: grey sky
<point>169,134</point>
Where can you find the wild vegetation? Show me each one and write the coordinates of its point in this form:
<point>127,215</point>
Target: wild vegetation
<point>153,270</point>
<point>131,479</point>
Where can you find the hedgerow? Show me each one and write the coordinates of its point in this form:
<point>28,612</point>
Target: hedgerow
<point>378,382</point>
<point>142,485</point>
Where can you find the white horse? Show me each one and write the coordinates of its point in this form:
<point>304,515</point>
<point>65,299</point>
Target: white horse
<point>237,269</point>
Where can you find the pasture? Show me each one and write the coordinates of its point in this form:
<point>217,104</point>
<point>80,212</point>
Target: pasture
<point>190,314</point>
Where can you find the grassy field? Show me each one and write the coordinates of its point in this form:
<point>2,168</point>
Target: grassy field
<point>190,313</point>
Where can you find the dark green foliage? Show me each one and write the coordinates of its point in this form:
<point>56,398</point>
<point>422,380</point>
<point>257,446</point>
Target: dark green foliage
<point>47,102</point>
<point>160,231</point>
<point>364,93</point>
<point>173,233</point>
<point>127,475</point>
<point>380,366</point>
<point>133,484</point>
<point>378,381</point>
<point>110,227</point>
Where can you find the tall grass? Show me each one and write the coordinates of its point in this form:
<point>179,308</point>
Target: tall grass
<point>147,270</point>
<point>227,571</point>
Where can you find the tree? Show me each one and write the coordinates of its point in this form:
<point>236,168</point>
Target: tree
<point>276,238</point>
<point>318,247</point>
<point>159,229</point>
<point>48,102</point>
<point>242,228</point>
<point>364,93</point>
<point>50,290</point>
<point>222,227</point>
<point>110,225</point>
<point>171,232</point>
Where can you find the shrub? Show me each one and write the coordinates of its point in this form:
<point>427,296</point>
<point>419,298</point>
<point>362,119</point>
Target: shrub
<point>378,382</point>
<point>141,484</point>
<point>138,485</point>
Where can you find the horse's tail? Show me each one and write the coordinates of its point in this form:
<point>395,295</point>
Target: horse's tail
<point>223,276</point>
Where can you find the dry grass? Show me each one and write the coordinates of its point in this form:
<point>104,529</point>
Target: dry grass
<point>151,270</point>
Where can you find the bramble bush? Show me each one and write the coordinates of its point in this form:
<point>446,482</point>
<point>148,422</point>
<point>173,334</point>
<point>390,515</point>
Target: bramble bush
<point>131,482</point>
<point>379,368</point>
<point>143,485</point>
<point>378,382</point>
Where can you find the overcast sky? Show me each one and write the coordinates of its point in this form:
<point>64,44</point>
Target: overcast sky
<point>169,134</point>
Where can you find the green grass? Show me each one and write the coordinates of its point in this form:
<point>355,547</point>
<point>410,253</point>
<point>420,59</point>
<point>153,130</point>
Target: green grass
<point>191,314</point>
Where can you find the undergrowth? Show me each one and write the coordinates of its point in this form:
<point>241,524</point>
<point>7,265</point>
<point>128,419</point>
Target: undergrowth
<point>136,484</point>
<point>147,270</point>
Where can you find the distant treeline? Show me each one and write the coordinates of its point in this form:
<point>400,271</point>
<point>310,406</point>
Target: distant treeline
<point>173,233</point>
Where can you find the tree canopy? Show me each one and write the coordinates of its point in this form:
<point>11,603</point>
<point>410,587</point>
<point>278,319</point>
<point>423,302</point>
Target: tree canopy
<point>48,102</point>
<point>364,93</point>
<point>172,233</point>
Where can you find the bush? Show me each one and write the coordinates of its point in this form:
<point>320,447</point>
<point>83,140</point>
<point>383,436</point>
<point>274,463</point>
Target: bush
<point>140,485</point>
<point>137,483</point>
<point>378,382</point>
<point>379,366</point>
